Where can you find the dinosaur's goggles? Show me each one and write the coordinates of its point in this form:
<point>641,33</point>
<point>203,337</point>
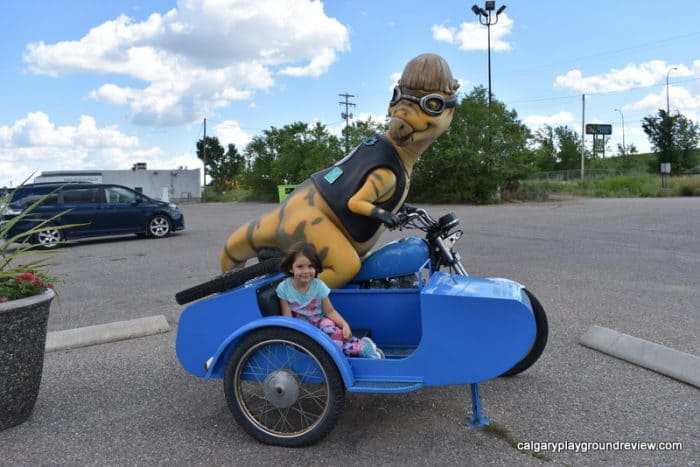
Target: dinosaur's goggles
<point>432,104</point>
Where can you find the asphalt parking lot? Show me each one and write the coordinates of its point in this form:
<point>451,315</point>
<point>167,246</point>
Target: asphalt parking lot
<point>631,265</point>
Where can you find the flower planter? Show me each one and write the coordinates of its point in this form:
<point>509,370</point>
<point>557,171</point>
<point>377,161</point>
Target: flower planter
<point>22,343</point>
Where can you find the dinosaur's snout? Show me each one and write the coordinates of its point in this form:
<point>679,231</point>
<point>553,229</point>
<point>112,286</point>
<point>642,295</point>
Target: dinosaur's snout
<point>399,130</point>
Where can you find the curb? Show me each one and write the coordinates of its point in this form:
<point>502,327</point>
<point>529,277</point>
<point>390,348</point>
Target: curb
<point>665,360</point>
<point>103,333</point>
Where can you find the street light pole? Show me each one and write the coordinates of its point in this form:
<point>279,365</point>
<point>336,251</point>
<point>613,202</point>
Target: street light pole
<point>668,106</point>
<point>624,148</point>
<point>485,15</point>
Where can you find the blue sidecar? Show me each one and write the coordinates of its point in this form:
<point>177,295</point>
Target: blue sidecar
<point>285,380</point>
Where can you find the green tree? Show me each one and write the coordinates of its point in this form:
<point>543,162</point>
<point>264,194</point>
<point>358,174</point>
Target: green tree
<point>361,129</point>
<point>557,148</point>
<point>483,151</point>
<point>545,151</point>
<point>210,151</point>
<point>289,155</point>
<point>222,166</point>
<point>569,148</point>
<point>674,138</point>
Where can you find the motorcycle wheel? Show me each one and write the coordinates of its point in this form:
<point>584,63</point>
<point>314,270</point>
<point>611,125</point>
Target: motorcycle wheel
<point>542,332</point>
<point>283,388</point>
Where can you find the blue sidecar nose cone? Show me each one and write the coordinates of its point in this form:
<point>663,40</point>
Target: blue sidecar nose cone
<point>475,328</point>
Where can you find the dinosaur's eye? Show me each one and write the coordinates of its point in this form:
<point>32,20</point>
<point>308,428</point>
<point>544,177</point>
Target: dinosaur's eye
<point>433,104</point>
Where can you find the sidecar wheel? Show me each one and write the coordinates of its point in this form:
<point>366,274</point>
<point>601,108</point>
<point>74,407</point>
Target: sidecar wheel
<point>540,338</point>
<point>283,388</point>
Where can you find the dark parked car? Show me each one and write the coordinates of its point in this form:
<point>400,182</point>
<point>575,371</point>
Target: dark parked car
<point>95,209</point>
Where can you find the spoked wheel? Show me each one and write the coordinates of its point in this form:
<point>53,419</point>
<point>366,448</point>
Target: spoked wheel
<point>542,329</point>
<point>48,237</point>
<point>283,388</point>
<point>158,226</point>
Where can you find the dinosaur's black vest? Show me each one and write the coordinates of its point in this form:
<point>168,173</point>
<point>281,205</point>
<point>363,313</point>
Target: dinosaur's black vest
<point>337,184</point>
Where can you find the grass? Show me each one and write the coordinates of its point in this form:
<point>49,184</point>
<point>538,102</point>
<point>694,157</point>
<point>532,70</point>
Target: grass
<point>212,196</point>
<point>624,186</point>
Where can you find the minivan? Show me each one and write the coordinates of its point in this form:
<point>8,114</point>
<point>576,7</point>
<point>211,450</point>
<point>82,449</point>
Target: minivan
<point>92,210</point>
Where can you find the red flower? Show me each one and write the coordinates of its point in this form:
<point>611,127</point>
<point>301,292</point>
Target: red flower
<point>49,285</point>
<point>25,277</point>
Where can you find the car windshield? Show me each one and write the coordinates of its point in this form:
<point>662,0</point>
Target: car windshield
<point>25,191</point>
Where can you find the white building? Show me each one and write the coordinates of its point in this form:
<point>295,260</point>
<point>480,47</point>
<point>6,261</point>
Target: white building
<point>166,185</point>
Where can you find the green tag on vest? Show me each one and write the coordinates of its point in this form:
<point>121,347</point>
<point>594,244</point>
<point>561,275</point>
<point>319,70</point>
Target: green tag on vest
<point>333,174</point>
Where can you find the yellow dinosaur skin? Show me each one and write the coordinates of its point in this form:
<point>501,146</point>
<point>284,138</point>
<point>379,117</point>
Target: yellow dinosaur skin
<point>305,215</point>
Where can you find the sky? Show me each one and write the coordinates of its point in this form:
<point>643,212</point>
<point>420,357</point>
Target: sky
<point>98,85</point>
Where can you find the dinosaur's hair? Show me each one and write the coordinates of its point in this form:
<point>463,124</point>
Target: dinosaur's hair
<point>428,72</point>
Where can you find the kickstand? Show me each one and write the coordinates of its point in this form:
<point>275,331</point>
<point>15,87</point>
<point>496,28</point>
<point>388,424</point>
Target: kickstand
<point>478,420</point>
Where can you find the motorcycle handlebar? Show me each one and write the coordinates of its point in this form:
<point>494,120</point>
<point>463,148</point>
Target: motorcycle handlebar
<point>408,208</point>
<point>409,213</point>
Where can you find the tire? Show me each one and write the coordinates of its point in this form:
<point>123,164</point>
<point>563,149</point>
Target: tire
<point>49,237</point>
<point>227,280</point>
<point>159,226</point>
<point>283,388</point>
<point>540,343</point>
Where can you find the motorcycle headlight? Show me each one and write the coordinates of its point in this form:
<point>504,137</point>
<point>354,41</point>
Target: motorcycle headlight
<point>448,221</point>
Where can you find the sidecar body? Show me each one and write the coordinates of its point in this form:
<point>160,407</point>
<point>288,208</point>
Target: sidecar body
<point>435,329</point>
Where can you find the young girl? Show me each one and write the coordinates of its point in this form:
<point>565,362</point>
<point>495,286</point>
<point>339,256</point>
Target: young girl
<point>304,296</point>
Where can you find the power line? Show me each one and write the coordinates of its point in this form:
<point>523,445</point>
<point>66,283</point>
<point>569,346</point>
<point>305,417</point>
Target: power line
<point>598,93</point>
<point>605,53</point>
<point>347,116</point>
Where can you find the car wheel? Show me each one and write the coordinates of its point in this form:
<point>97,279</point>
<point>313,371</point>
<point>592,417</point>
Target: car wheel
<point>159,226</point>
<point>49,237</point>
<point>283,388</point>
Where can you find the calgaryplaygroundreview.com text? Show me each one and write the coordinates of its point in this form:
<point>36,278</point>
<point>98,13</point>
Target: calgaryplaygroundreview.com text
<point>588,446</point>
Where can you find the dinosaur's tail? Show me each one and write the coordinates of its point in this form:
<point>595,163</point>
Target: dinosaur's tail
<point>238,249</point>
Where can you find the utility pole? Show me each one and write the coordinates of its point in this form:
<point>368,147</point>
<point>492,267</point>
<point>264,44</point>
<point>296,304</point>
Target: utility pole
<point>583,131</point>
<point>346,116</point>
<point>204,157</point>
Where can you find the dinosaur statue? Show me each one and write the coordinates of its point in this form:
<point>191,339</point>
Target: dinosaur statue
<point>343,210</point>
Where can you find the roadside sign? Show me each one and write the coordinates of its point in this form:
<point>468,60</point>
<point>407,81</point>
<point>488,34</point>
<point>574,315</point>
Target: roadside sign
<point>598,129</point>
<point>598,146</point>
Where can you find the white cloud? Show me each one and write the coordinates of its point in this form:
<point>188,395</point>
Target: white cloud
<point>36,144</point>
<point>37,130</point>
<point>474,36</point>
<point>394,77</point>
<point>678,98</point>
<point>230,132</point>
<point>199,56</point>
<point>623,79</point>
<point>557,119</point>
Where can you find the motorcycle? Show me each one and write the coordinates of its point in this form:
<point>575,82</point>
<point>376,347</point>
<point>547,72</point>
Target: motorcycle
<point>285,380</point>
